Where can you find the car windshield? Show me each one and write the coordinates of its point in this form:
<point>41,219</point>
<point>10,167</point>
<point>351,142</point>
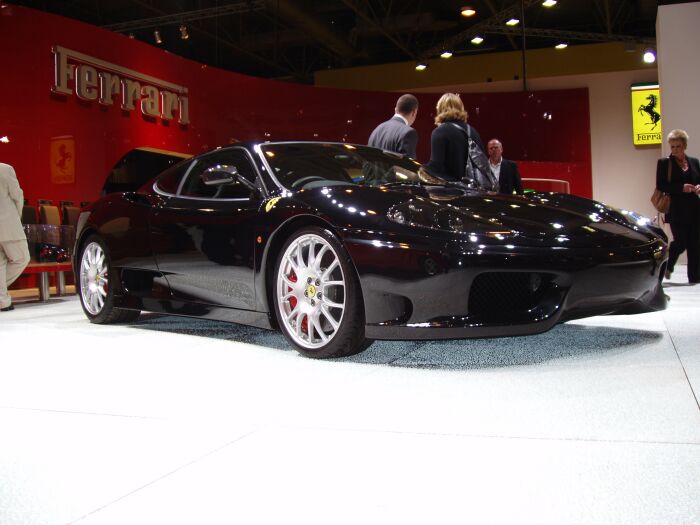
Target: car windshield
<point>309,165</point>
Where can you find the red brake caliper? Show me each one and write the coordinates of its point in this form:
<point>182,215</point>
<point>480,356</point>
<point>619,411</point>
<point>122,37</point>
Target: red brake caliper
<point>292,300</point>
<point>293,304</point>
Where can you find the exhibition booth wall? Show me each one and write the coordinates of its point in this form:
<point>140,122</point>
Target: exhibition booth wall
<point>76,98</point>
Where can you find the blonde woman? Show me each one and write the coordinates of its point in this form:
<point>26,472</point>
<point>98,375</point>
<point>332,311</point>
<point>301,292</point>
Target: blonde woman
<point>683,186</point>
<point>448,142</point>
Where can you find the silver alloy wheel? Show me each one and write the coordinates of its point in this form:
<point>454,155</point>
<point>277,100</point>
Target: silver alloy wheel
<point>94,278</point>
<point>310,291</point>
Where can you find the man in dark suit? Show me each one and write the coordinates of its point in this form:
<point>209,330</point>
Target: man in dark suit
<point>505,171</point>
<point>396,134</point>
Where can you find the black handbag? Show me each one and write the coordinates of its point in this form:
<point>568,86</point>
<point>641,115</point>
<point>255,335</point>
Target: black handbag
<point>477,170</point>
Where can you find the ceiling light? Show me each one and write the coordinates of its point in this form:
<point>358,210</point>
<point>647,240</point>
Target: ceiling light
<point>649,56</point>
<point>184,35</point>
<point>513,22</point>
<point>561,45</point>
<point>422,66</point>
<point>467,11</point>
<point>446,54</point>
<point>549,3</point>
<point>131,35</point>
<point>477,40</point>
<point>156,36</point>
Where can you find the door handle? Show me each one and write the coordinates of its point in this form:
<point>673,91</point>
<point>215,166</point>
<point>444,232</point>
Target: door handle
<point>137,198</point>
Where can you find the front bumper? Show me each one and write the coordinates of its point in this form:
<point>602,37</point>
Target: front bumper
<point>497,292</point>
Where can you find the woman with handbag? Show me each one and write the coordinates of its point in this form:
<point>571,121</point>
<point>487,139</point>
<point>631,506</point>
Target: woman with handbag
<point>450,141</point>
<point>678,175</point>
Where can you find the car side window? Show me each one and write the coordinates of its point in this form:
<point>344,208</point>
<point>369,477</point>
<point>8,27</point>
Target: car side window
<point>169,180</point>
<point>237,158</point>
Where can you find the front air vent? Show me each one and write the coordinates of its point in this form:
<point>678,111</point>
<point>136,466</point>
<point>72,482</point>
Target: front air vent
<point>499,297</point>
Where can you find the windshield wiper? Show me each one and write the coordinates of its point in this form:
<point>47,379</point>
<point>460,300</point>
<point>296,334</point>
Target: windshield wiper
<point>401,183</point>
<point>460,184</point>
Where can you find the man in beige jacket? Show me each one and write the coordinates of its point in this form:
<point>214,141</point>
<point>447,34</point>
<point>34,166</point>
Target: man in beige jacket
<point>14,253</point>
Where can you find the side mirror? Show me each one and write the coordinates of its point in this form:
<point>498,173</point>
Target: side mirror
<point>219,174</point>
<point>222,174</point>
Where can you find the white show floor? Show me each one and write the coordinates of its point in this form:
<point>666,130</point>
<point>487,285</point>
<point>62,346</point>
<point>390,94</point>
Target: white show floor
<point>176,421</point>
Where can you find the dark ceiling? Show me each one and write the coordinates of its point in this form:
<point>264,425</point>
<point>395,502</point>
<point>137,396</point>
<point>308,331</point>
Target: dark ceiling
<point>290,39</point>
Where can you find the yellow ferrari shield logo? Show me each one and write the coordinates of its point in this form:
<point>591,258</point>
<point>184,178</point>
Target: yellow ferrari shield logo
<point>271,204</point>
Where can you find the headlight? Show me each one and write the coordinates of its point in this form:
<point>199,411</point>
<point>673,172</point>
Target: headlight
<point>396,216</point>
<point>636,220</point>
<point>424,214</point>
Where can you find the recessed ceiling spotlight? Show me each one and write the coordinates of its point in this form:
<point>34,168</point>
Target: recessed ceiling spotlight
<point>549,3</point>
<point>649,56</point>
<point>156,36</point>
<point>422,66</point>
<point>477,40</point>
<point>184,35</point>
<point>446,54</point>
<point>513,22</point>
<point>467,11</point>
<point>561,45</point>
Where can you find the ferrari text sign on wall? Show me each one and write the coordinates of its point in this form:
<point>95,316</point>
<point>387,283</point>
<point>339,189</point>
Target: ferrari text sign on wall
<point>93,79</point>
<point>646,114</point>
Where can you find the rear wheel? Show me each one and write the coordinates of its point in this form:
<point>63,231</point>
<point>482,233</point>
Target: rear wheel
<point>317,296</point>
<point>96,292</point>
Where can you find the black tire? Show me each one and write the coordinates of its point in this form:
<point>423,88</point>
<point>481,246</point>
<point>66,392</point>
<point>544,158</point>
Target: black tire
<point>94,288</point>
<point>319,316</point>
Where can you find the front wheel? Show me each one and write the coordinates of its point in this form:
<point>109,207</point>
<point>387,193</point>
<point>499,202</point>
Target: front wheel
<point>95,289</point>
<point>317,296</point>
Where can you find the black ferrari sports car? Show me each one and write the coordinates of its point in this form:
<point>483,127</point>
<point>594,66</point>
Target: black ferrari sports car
<point>337,244</point>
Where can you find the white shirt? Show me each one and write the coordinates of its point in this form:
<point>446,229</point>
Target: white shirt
<point>401,117</point>
<point>496,169</point>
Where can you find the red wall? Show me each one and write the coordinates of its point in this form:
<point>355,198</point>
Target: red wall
<point>225,106</point>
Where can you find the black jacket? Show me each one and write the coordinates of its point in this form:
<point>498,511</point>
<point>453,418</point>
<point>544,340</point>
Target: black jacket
<point>448,150</point>
<point>509,178</point>
<point>685,207</point>
<point>395,135</point>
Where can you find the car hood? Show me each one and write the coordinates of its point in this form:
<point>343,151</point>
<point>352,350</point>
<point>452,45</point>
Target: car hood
<point>534,219</point>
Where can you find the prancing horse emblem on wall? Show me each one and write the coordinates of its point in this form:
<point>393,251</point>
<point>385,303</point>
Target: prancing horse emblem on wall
<point>650,109</point>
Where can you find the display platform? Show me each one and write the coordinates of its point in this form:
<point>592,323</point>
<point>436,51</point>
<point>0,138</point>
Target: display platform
<point>181,421</point>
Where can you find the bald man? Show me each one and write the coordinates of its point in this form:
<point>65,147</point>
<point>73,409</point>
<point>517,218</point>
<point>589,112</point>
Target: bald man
<point>505,171</point>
